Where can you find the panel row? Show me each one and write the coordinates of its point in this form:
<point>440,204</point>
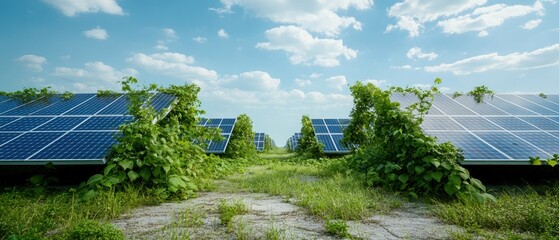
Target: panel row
<point>80,104</point>
<point>22,124</point>
<point>332,143</point>
<point>479,123</point>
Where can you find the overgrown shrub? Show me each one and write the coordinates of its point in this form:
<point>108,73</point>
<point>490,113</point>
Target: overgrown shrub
<point>308,145</point>
<point>395,153</point>
<point>241,144</point>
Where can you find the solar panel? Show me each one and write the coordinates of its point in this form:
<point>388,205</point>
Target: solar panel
<point>294,141</point>
<point>259,141</point>
<point>226,125</point>
<point>329,133</point>
<point>80,130</point>
<point>506,129</point>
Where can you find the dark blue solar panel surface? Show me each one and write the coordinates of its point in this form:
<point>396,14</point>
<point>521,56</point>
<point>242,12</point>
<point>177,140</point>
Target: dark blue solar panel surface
<point>79,145</point>
<point>32,107</point>
<point>526,104</point>
<point>542,123</point>
<point>259,141</point>
<point>481,108</point>
<point>63,131</point>
<point>329,132</point>
<point>541,101</point>
<point>508,107</point>
<point>338,141</point>
<point>320,129</point>
<point>65,105</point>
<point>473,148</point>
<point>104,123</point>
<point>119,107</point>
<point>294,141</point>
<point>476,123</point>
<point>439,123</point>
<point>449,106</point>
<point>511,123</point>
<point>326,140</point>
<point>94,105</point>
<point>542,140</point>
<point>25,124</point>
<point>511,145</point>
<point>61,124</point>
<point>219,146</point>
<point>226,125</point>
<point>27,144</point>
<point>335,129</point>
<point>161,100</point>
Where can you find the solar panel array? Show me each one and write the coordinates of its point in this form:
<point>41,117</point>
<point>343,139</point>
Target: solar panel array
<point>77,131</point>
<point>294,141</point>
<point>226,125</point>
<point>330,132</point>
<point>505,129</point>
<point>259,141</point>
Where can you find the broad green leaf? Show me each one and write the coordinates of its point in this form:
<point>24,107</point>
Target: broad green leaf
<point>108,168</point>
<point>419,169</point>
<point>446,165</point>
<point>477,183</point>
<point>145,172</point>
<point>551,162</point>
<point>450,188</point>
<point>126,164</point>
<point>133,175</point>
<point>403,178</point>
<point>94,179</point>
<point>437,176</point>
<point>455,179</point>
<point>36,179</point>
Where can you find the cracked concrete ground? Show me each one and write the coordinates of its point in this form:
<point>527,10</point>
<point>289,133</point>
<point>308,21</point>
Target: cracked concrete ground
<point>199,219</point>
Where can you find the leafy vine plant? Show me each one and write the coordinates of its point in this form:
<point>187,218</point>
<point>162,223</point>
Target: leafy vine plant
<point>32,94</point>
<point>308,145</point>
<point>164,157</point>
<point>479,93</point>
<point>394,152</point>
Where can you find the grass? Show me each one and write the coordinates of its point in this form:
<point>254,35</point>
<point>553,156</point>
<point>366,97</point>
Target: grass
<point>228,210</point>
<point>337,228</point>
<point>27,213</point>
<point>520,212</point>
<point>327,196</point>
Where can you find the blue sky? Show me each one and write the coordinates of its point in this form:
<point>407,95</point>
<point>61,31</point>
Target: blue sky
<point>279,59</point>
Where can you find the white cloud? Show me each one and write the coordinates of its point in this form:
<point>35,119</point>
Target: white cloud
<point>413,14</point>
<point>200,39</point>
<point>313,15</point>
<point>315,75</point>
<point>94,76</point>
<point>484,18</point>
<point>170,33</point>
<point>32,62</point>
<point>36,80</point>
<point>172,64</point>
<point>539,58</point>
<point>252,81</point>
<point>406,67</point>
<point>161,45</point>
<point>97,33</point>
<point>222,34</point>
<point>337,82</point>
<point>416,52</point>
<point>306,49</point>
<point>375,82</point>
<point>72,7</point>
<point>483,34</point>
<point>302,82</point>
<point>531,24</point>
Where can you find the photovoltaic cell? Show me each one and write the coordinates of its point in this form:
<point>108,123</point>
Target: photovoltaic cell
<point>526,104</point>
<point>449,106</point>
<point>335,129</point>
<point>508,107</point>
<point>61,124</point>
<point>541,101</point>
<point>25,124</point>
<point>6,120</point>
<point>542,123</point>
<point>511,145</point>
<point>542,140</point>
<point>228,121</point>
<point>473,148</point>
<point>31,107</point>
<point>259,141</point>
<point>93,105</point>
<point>320,129</point>
<point>439,123</point>
<point>476,123</point>
<point>317,122</point>
<point>338,141</point>
<point>481,108</point>
<point>118,107</point>
<point>104,123</point>
<point>9,105</point>
<point>79,146</point>
<point>511,123</point>
<point>61,107</point>
<point>27,144</point>
<point>226,128</point>
<point>226,125</point>
<point>161,100</point>
<point>6,136</point>
<point>326,140</point>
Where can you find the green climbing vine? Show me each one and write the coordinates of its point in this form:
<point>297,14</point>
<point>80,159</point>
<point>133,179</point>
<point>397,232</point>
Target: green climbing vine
<point>479,93</point>
<point>395,153</point>
<point>308,145</point>
<point>31,94</point>
<point>241,144</point>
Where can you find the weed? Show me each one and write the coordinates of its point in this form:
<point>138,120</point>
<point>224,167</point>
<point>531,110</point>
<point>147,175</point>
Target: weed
<point>274,233</point>
<point>89,229</point>
<point>337,228</point>
<point>228,210</point>
<point>242,231</point>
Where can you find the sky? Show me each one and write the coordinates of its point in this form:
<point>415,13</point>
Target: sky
<point>277,60</point>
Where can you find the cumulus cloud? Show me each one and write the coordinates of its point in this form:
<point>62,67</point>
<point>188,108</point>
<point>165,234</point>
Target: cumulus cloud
<point>411,15</point>
<point>405,67</point>
<point>252,81</point>
<point>337,82</point>
<point>375,82</point>
<point>313,15</point>
<point>539,58</point>
<point>94,76</point>
<point>416,52</point>
<point>531,24</point>
<point>222,34</point>
<point>172,64</point>
<point>303,48</point>
<point>200,39</point>
<point>32,62</point>
<point>170,33</point>
<point>72,7</point>
<point>302,82</point>
<point>484,18</point>
<point>97,33</point>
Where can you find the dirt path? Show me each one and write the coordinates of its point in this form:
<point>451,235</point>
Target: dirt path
<point>268,216</point>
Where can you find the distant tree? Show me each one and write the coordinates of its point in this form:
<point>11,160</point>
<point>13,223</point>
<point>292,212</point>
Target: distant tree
<point>241,144</point>
<point>308,145</point>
